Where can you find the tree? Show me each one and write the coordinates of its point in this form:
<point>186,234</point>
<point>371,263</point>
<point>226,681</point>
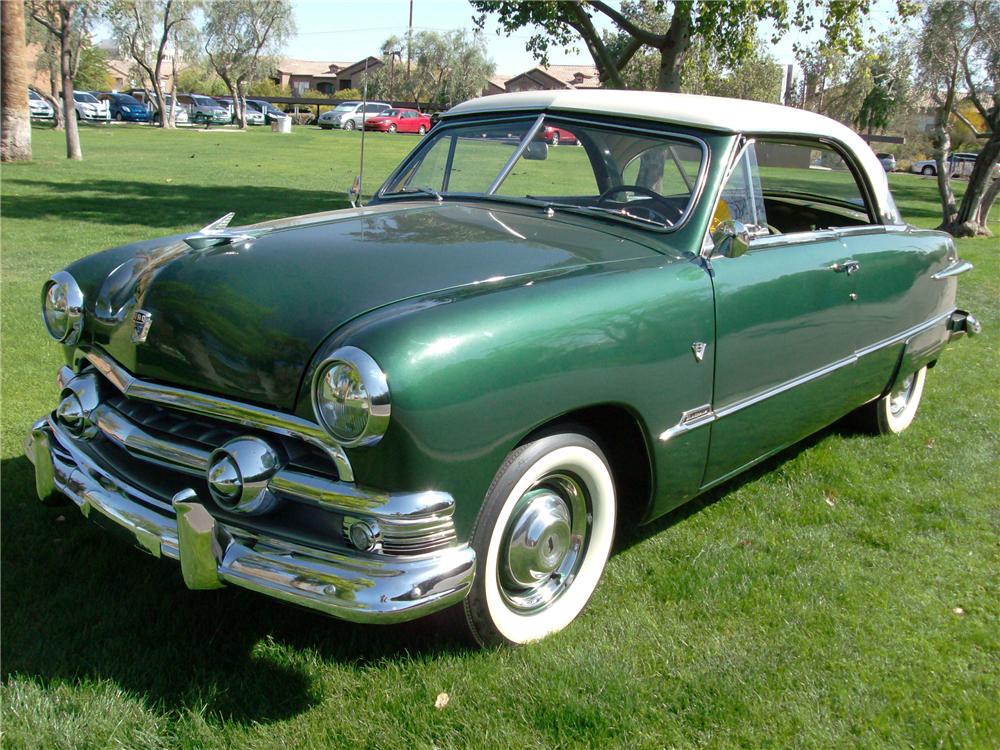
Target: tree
<point>68,22</point>
<point>670,28</point>
<point>15,117</point>
<point>92,68</point>
<point>445,67</point>
<point>47,60</point>
<point>966,57</point>
<point>238,35</point>
<point>142,30</point>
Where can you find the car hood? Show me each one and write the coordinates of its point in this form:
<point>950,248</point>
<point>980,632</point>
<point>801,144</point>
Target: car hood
<point>243,320</point>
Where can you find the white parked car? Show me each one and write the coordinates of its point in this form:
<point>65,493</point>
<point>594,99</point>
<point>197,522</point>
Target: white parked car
<point>961,165</point>
<point>40,109</point>
<point>89,108</point>
<point>351,115</point>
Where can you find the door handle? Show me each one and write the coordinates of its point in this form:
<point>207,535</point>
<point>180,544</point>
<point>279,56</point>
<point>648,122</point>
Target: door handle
<point>848,266</point>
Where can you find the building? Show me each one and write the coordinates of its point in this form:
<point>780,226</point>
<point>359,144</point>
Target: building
<point>327,77</point>
<point>549,77</point>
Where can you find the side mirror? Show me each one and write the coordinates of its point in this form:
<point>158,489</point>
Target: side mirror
<point>537,151</point>
<point>354,192</point>
<point>731,238</point>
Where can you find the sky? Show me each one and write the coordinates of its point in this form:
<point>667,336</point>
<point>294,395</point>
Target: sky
<point>351,29</point>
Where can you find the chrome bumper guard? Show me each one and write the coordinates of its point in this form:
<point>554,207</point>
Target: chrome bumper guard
<point>963,323</point>
<point>354,587</point>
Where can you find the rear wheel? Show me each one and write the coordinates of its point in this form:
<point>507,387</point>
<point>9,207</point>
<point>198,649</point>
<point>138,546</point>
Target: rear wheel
<point>893,413</point>
<point>542,540</point>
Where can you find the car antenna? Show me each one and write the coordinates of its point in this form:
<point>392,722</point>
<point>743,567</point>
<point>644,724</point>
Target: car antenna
<point>356,187</point>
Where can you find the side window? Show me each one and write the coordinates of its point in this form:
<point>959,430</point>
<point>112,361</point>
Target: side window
<point>808,187</point>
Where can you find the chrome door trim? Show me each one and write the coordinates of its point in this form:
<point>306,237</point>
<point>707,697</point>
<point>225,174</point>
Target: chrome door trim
<point>528,137</point>
<point>954,268</point>
<point>248,415</point>
<point>703,415</point>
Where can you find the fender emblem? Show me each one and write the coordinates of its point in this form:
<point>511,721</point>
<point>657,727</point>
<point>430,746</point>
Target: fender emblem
<point>699,347</point>
<point>141,322</point>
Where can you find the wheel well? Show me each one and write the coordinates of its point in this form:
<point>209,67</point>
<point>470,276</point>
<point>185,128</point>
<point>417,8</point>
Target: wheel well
<point>623,441</point>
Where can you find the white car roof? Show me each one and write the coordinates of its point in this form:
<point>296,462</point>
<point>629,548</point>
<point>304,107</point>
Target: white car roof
<point>709,112</point>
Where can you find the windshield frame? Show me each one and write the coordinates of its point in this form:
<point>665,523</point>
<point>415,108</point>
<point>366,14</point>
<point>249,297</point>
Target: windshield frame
<point>543,118</point>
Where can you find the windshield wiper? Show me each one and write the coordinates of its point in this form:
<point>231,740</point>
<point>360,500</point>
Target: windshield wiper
<point>421,189</point>
<point>618,213</point>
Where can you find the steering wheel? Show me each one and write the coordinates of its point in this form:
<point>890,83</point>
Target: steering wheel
<point>653,196</point>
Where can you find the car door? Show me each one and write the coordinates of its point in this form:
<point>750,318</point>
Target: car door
<point>785,335</point>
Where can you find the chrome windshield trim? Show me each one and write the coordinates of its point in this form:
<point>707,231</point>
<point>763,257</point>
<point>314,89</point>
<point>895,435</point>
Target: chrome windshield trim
<point>702,415</point>
<point>505,170</point>
<point>247,415</point>
<point>956,267</point>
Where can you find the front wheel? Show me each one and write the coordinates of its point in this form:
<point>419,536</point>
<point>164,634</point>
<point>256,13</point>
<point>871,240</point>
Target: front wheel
<point>422,129</point>
<point>392,127</point>
<point>928,171</point>
<point>349,125</point>
<point>542,540</point>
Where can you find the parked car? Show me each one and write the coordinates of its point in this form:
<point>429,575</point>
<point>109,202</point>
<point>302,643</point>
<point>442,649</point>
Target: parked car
<point>38,107</point>
<point>204,110</point>
<point>888,161</point>
<point>350,115</point>
<point>124,107</point>
<point>555,136</point>
<point>270,112</point>
<point>253,115</point>
<point>399,121</point>
<point>961,164</point>
<point>180,115</point>
<point>454,395</point>
<point>88,108</point>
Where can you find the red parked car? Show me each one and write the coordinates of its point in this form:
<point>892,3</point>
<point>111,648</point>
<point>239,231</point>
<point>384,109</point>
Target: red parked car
<point>399,121</point>
<point>555,136</point>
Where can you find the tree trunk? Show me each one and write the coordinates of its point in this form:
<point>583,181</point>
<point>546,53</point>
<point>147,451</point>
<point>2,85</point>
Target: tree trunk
<point>941,141</point>
<point>54,86</point>
<point>73,150</point>
<point>240,102</point>
<point>674,50</point>
<point>989,198</point>
<point>15,117</point>
<point>970,220</point>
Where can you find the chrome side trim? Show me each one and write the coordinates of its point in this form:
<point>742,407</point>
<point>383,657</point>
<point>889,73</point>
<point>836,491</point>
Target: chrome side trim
<point>956,267</point>
<point>702,415</point>
<point>225,409</point>
<point>355,587</point>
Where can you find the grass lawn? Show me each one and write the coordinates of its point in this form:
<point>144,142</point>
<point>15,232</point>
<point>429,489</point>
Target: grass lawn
<point>844,594</point>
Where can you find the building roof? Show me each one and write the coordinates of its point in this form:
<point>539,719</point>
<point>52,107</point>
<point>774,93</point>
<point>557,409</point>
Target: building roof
<point>561,76</point>
<point>709,112</point>
<point>316,68</point>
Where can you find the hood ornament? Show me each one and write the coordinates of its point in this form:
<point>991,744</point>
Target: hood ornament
<point>218,233</point>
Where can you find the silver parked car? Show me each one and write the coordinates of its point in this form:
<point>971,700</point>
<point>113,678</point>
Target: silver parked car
<point>351,115</point>
<point>40,109</point>
<point>89,108</point>
<point>888,161</point>
<point>961,164</point>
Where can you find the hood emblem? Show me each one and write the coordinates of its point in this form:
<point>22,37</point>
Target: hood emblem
<point>699,347</point>
<point>141,322</point>
<point>218,233</point>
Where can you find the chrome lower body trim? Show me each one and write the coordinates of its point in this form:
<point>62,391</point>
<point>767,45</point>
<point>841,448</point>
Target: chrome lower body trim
<point>359,588</point>
<point>702,418</point>
<point>225,409</point>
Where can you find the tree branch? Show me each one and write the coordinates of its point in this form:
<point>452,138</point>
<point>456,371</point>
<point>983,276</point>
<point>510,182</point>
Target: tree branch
<point>975,131</point>
<point>643,35</point>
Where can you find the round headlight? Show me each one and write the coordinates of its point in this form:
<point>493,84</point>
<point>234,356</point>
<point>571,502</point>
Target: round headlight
<point>351,397</point>
<point>62,308</point>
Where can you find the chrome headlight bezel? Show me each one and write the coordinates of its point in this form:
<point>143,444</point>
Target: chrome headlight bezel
<point>376,396</point>
<point>62,294</point>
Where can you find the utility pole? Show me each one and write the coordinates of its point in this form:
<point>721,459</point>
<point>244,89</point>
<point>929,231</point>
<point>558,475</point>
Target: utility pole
<point>409,42</point>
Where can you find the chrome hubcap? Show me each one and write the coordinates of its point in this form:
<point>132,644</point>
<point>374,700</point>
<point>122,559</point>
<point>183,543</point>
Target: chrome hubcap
<point>901,397</point>
<point>543,543</point>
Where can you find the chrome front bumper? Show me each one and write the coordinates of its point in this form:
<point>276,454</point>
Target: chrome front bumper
<point>355,587</point>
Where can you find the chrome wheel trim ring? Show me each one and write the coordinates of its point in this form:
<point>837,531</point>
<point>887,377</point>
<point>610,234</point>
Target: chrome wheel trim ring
<point>544,543</point>
<point>900,398</point>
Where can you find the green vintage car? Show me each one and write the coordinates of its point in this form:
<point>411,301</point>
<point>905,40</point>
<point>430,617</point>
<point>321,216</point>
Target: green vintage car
<point>450,397</point>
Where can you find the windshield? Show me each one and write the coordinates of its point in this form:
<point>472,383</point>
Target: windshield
<point>345,107</point>
<point>77,96</point>
<point>390,113</point>
<point>204,101</point>
<point>33,95</point>
<point>638,176</point>
<point>126,99</point>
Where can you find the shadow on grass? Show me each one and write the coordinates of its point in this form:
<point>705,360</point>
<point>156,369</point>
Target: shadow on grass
<point>630,536</point>
<point>168,205</point>
<point>80,606</point>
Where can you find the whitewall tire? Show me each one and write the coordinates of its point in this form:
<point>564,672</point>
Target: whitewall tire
<point>895,411</point>
<point>542,539</point>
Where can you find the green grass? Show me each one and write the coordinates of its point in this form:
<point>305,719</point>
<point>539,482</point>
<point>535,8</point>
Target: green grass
<point>810,603</point>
